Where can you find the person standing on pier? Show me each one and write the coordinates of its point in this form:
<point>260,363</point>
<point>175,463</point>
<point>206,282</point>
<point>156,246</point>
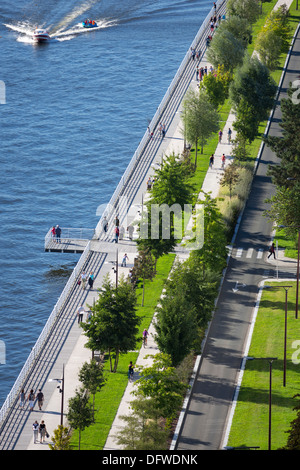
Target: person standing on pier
<point>57,233</point>
<point>40,399</point>
<point>117,233</point>
<point>105,224</point>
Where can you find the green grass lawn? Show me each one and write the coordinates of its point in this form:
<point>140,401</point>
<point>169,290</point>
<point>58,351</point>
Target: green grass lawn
<point>250,422</point>
<point>108,399</point>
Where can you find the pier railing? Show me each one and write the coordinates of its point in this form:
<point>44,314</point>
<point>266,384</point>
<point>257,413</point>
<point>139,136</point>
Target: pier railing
<point>11,397</point>
<point>71,234</point>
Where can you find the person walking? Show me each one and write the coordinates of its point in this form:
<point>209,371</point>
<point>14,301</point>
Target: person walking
<point>105,224</point>
<point>223,159</point>
<point>22,399</point>
<point>80,313</point>
<point>220,136</point>
<point>229,132</point>
<point>83,280</point>
<point>91,279</point>
<point>117,233</point>
<point>31,398</point>
<point>125,257</point>
<point>35,428</point>
<point>130,371</point>
<point>145,336</point>
<point>211,160</point>
<point>42,431</point>
<point>40,399</point>
<point>272,251</point>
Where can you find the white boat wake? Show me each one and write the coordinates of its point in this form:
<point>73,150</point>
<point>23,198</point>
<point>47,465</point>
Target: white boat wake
<point>25,30</point>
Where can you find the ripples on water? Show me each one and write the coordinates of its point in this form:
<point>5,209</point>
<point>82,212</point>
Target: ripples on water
<point>75,111</point>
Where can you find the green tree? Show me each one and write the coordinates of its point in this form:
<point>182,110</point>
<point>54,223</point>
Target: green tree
<point>239,27</point>
<point>252,94</point>
<point>144,429</point>
<point>247,9</point>
<point>225,49</point>
<point>293,442</point>
<point>213,253</point>
<point>60,439</point>
<point>80,413</point>
<point>287,145</point>
<point>158,229</point>
<point>274,37</point>
<point>285,208</point>
<point>160,382</point>
<point>113,325</point>
<point>216,85</point>
<point>91,376</point>
<point>176,326</point>
<point>200,118</point>
<point>230,177</point>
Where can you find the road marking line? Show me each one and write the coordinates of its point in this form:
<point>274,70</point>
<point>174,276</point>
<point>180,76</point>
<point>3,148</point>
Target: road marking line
<point>239,252</point>
<point>249,253</point>
<point>260,253</point>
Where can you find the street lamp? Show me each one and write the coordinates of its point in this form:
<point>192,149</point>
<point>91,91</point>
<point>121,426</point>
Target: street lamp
<point>61,390</point>
<point>270,360</point>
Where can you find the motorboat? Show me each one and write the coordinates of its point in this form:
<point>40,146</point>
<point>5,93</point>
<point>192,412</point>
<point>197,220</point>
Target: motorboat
<point>89,24</point>
<point>41,35</point>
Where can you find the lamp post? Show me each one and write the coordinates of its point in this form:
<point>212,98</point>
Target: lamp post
<point>270,360</point>
<point>61,390</point>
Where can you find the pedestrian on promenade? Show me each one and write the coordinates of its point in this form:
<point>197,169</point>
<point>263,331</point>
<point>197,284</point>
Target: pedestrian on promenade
<point>229,132</point>
<point>220,136</point>
<point>197,73</point>
<point>40,399</point>
<point>91,279</point>
<point>211,160</point>
<point>35,428</point>
<point>105,224</point>
<point>117,233</point>
<point>43,431</point>
<point>117,221</point>
<point>272,251</point>
<point>83,280</point>
<point>57,233</point>
<point>22,399</point>
<point>31,398</point>
<point>163,131</point>
<point>80,313</point>
<point>125,257</point>
<point>130,230</point>
<point>149,183</point>
<point>130,371</point>
<point>223,160</point>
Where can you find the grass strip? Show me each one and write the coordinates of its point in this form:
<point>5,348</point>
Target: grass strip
<point>250,425</point>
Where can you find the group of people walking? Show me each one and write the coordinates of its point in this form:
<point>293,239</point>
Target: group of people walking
<point>86,278</point>
<point>38,428</point>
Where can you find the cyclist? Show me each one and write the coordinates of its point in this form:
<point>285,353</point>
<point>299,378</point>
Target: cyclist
<point>145,336</point>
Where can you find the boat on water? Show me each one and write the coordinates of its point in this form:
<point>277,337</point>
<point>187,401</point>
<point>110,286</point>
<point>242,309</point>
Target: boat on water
<point>89,24</point>
<point>41,35</point>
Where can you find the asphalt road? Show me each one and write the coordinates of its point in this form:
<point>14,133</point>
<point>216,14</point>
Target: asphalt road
<point>215,383</point>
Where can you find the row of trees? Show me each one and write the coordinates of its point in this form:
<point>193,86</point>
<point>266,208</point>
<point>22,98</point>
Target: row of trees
<point>285,204</point>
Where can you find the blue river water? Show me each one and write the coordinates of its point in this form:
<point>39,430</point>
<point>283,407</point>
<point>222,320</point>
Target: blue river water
<point>75,110</point>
